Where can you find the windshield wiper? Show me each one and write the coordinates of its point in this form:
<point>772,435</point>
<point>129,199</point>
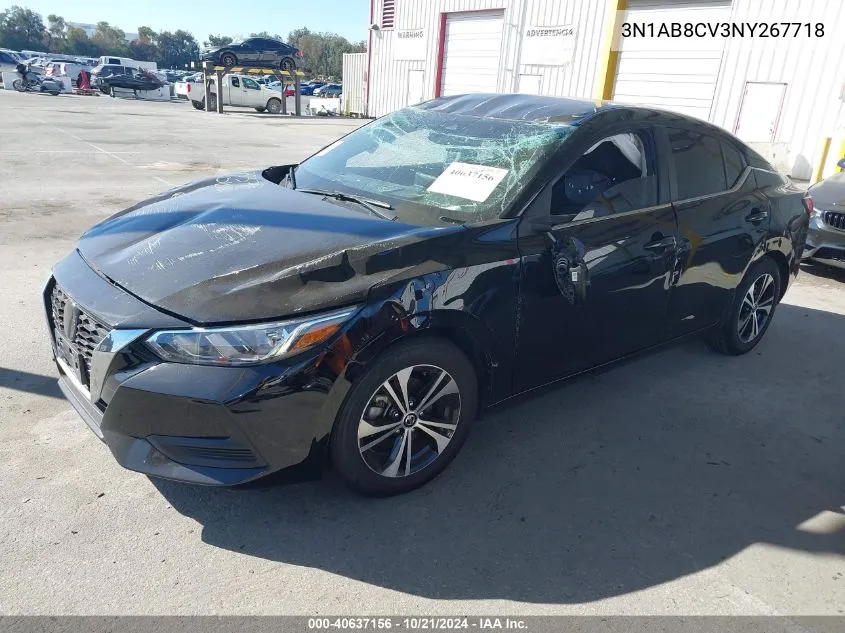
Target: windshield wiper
<point>371,205</point>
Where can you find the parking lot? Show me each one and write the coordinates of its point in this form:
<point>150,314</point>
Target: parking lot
<point>683,483</point>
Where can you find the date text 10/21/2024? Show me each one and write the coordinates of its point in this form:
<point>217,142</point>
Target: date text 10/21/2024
<point>417,623</point>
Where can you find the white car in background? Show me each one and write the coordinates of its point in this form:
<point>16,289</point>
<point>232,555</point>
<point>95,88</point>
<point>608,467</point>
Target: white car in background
<point>60,68</point>
<point>238,90</point>
<point>180,88</point>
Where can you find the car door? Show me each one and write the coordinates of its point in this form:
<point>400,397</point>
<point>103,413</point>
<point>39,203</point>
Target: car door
<point>595,275</point>
<point>251,52</point>
<point>236,90</point>
<point>251,93</point>
<point>268,52</point>
<point>722,219</point>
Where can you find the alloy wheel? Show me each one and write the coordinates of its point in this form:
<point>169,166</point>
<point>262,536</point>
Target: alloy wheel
<point>756,308</point>
<point>409,421</point>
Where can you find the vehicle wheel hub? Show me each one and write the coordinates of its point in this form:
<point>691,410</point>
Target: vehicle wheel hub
<point>756,308</point>
<point>409,421</point>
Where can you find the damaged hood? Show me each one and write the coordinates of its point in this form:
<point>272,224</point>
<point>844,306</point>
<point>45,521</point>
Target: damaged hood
<point>240,247</point>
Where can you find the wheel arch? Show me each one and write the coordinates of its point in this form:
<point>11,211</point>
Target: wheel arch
<point>783,268</point>
<point>458,328</point>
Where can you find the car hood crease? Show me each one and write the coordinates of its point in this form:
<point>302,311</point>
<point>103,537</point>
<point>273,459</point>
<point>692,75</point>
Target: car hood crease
<point>240,247</point>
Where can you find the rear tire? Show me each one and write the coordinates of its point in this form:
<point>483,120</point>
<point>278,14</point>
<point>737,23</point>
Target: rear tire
<point>752,311</point>
<point>198,105</point>
<point>287,64</point>
<point>274,106</point>
<point>439,388</point>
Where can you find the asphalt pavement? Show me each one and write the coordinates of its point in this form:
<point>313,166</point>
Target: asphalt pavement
<point>682,483</point>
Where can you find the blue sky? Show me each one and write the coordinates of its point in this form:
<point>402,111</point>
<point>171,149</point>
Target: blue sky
<point>201,17</point>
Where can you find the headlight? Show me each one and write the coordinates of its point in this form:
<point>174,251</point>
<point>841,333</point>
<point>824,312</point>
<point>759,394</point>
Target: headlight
<point>246,344</point>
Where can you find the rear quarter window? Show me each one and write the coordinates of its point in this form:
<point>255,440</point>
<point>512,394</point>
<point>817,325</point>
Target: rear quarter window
<point>734,164</point>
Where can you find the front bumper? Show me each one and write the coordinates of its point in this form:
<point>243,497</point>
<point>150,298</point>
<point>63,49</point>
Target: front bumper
<point>825,243</point>
<point>198,424</point>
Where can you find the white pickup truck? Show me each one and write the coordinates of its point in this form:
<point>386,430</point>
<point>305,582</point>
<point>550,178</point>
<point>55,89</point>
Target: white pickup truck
<point>238,90</point>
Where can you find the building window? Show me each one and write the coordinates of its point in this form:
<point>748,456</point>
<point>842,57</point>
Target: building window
<point>388,14</point>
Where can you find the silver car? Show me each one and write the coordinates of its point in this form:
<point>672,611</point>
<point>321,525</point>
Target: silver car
<point>826,236</point>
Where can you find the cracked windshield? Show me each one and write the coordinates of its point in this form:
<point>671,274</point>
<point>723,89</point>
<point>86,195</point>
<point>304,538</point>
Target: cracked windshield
<point>433,165</point>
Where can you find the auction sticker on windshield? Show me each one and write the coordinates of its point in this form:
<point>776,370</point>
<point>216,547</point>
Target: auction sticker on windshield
<point>465,180</point>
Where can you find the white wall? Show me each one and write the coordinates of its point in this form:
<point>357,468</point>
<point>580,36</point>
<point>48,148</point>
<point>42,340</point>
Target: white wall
<point>812,68</point>
<point>389,77</point>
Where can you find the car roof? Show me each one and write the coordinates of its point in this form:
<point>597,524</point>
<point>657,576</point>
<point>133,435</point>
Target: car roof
<point>520,107</point>
<point>543,109</point>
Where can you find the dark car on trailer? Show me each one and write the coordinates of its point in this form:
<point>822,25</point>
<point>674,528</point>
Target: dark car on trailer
<point>370,302</point>
<point>256,51</point>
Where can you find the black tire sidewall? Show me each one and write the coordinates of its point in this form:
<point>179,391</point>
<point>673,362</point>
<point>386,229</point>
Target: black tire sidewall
<point>345,454</point>
<point>730,332</point>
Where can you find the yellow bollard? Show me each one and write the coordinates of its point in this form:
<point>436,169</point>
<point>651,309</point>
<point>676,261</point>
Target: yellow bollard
<point>823,161</point>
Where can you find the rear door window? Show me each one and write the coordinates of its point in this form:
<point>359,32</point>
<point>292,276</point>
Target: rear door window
<point>699,168</point>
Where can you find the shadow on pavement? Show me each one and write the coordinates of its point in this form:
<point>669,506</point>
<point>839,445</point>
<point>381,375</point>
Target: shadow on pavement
<point>31,383</point>
<point>825,272</point>
<point>607,485</point>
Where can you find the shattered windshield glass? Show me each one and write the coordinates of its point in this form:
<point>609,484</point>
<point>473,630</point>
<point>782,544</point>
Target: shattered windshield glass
<point>430,164</point>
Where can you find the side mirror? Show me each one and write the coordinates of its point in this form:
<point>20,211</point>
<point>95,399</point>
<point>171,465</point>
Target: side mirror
<point>841,164</point>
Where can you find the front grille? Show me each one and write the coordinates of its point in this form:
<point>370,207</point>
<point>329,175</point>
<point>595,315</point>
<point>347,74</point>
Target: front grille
<point>211,452</point>
<point>836,220</point>
<point>81,332</point>
<point>830,253</point>
<point>89,334</point>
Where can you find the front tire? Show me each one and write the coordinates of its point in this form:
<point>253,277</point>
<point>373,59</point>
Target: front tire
<point>212,103</point>
<point>19,85</point>
<point>274,106</point>
<point>406,418</point>
<point>751,314</point>
<point>260,109</point>
<point>229,60</point>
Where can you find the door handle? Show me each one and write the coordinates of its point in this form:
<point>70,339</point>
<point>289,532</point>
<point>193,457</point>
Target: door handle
<point>661,243</point>
<point>757,216</point>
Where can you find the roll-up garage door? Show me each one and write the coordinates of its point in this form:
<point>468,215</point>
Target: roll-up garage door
<point>673,73</point>
<point>472,52</point>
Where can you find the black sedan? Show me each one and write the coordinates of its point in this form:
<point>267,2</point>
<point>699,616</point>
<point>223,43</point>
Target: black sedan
<point>256,51</point>
<point>369,303</point>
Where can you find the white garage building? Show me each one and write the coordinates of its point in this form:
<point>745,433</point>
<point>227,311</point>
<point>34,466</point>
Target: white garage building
<point>781,94</point>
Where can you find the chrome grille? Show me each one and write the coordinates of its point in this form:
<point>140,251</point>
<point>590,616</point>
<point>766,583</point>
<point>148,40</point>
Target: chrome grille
<point>80,330</point>
<point>836,220</point>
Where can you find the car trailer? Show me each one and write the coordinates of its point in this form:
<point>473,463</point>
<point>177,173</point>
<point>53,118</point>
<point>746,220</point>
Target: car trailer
<point>219,71</point>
